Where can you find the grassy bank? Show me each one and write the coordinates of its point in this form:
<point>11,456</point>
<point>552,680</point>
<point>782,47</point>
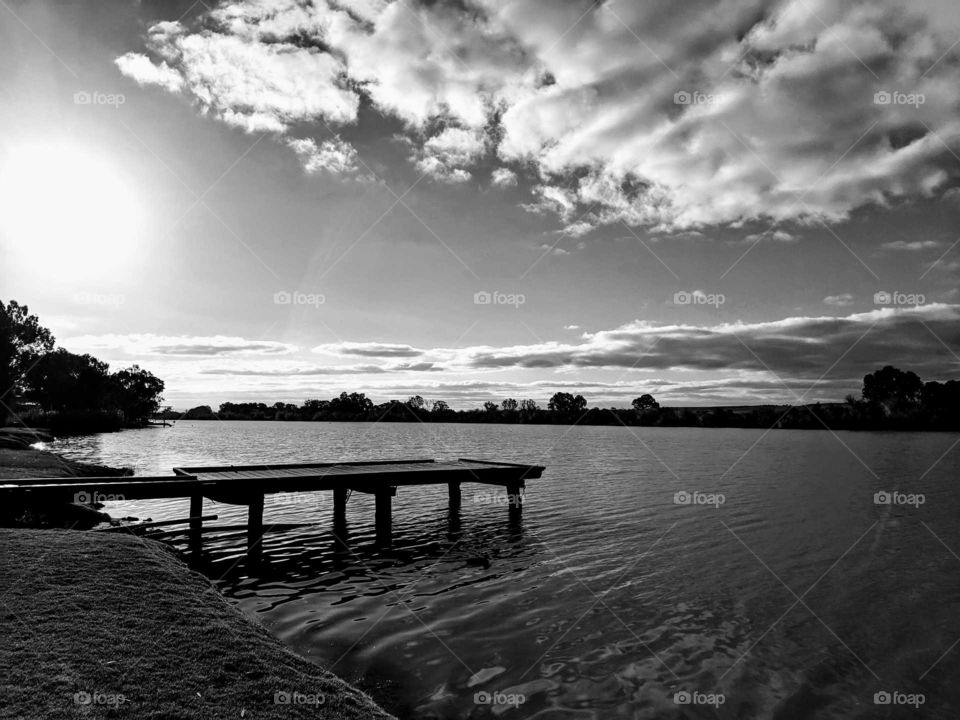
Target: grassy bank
<point>99,625</point>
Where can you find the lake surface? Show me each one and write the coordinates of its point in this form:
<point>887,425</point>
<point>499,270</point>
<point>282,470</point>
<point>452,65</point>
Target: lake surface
<point>795,595</point>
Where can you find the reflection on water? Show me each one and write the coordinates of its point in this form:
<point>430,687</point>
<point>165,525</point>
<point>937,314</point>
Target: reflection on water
<point>797,597</point>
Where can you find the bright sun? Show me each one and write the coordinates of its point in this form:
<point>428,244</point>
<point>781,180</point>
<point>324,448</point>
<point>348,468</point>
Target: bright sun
<point>67,211</point>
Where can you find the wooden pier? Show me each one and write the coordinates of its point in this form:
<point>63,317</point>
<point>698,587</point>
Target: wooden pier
<point>248,484</point>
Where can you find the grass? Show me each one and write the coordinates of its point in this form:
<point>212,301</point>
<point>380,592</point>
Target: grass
<point>109,626</point>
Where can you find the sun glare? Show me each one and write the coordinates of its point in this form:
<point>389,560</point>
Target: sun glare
<point>65,210</point>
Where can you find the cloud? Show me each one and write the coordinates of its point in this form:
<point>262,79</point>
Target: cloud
<point>250,79</point>
<point>368,349</point>
<point>139,67</point>
<point>780,236</point>
<point>839,300</point>
<point>796,347</point>
<point>334,156</point>
<point>295,370</point>
<point>554,250</point>
<point>780,120</point>
<point>503,177</point>
<point>150,344</point>
<point>912,245</point>
<point>446,155</point>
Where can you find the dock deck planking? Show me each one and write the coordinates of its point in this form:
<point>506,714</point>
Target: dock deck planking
<point>247,485</point>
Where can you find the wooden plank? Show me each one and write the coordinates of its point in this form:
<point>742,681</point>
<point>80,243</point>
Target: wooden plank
<point>281,466</point>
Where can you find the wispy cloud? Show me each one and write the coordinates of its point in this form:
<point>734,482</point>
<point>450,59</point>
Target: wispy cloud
<point>368,349</point>
<point>142,344</point>
<point>911,245</point>
<point>841,300</point>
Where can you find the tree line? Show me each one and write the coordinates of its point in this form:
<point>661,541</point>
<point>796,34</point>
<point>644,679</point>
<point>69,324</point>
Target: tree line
<point>890,399</point>
<point>42,385</point>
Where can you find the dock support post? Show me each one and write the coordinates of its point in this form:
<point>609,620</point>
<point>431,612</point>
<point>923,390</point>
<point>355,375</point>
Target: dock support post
<point>339,504</point>
<point>383,516</point>
<point>514,499</point>
<point>454,489</point>
<point>340,515</point>
<point>255,526</point>
<point>196,524</point>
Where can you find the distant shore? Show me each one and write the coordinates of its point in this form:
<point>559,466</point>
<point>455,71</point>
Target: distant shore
<point>813,416</point>
<point>119,626</point>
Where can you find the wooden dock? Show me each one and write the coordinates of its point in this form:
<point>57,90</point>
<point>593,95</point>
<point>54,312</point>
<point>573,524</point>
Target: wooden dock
<point>248,484</point>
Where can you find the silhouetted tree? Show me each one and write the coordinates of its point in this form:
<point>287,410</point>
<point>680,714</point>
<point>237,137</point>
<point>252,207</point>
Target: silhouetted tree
<point>63,381</point>
<point>567,404</point>
<point>136,393</point>
<point>509,405</point>
<point>201,412</point>
<point>645,403</point>
<point>892,390</point>
<point>22,342</point>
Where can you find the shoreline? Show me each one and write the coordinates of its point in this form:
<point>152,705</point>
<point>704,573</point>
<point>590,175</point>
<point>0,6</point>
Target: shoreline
<point>120,625</point>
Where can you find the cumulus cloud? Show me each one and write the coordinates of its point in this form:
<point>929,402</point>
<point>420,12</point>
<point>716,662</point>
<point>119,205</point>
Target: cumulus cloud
<point>334,156</point>
<point>753,109</point>
<point>503,177</point>
<point>446,155</point>
<point>246,75</point>
<point>140,68</point>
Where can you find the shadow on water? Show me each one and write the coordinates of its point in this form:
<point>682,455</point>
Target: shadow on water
<point>324,556</point>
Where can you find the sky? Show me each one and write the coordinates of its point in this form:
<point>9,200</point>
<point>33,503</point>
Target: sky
<point>716,202</point>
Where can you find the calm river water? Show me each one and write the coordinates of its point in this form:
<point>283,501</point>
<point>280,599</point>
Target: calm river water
<point>794,595</point>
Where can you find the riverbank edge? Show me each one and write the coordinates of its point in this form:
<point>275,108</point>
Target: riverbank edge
<point>105,623</point>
